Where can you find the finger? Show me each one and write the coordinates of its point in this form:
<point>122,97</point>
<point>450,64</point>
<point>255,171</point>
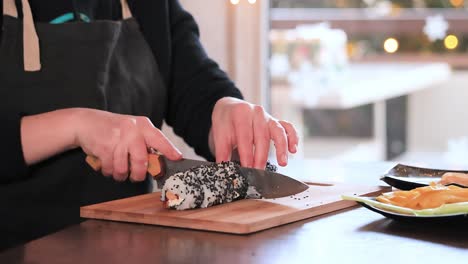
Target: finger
<point>138,153</point>
<point>106,154</point>
<point>107,164</point>
<point>121,162</point>
<point>293,138</point>
<point>156,139</point>
<point>278,134</point>
<point>261,139</point>
<point>223,145</point>
<point>244,138</point>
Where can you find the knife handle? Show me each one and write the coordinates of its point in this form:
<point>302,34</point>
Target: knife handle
<point>156,165</point>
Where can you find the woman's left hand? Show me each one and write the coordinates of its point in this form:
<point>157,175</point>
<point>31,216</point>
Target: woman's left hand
<point>237,123</point>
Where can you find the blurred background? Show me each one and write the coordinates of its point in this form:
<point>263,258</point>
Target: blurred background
<point>363,80</point>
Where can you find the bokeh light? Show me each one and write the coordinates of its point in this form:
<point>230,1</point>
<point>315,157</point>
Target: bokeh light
<point>457,3</point>
<point>391,45</point>
<point>451,42</point>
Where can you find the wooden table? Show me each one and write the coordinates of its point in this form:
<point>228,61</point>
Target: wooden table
<point>352,236</point>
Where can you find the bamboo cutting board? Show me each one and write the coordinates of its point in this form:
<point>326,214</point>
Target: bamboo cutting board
<point>240,217</point>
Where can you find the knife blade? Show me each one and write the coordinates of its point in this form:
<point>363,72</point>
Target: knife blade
<point>268,184</point>
<point>272,184</point>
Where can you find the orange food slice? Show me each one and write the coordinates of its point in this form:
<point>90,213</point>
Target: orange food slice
<point>432,196</point>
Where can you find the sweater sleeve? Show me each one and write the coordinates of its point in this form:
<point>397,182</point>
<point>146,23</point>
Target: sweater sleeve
<point>196,82</point>
<point>13,165</point>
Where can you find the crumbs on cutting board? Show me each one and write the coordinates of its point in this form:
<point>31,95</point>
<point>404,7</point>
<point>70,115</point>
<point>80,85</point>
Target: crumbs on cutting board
<point>300,196</point>
<point>303,196</point>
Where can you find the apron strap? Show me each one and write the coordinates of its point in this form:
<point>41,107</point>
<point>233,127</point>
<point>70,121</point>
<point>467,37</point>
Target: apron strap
<point>31,51</point>
<point>126,13</point>
<point>31,54</point>
<point>9,8</point>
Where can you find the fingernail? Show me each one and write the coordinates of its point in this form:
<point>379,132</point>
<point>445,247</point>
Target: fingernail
<point>294,148</point>
<point>284,158</point>
<point>146,164</point>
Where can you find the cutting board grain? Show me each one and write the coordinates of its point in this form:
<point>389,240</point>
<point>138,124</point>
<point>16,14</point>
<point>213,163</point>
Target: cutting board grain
<point>240,217</point>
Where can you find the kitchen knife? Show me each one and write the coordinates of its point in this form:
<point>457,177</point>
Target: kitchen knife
<point>268,184</point>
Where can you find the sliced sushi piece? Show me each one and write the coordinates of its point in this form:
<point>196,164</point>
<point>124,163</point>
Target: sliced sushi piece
<point>182,191</point>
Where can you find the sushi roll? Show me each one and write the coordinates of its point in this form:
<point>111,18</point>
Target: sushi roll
<point>205,186</point>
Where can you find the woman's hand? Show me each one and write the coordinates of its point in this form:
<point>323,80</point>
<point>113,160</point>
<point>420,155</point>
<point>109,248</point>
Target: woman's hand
<point>119,141</point>
<point>248,127</point>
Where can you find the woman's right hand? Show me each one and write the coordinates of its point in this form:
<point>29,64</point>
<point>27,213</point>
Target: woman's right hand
<point>121,142</point>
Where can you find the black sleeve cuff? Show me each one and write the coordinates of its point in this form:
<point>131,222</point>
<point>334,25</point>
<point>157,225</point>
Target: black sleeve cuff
<point>11,151</point>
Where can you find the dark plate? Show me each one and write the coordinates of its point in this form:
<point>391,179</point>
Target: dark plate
<point>406,177</point>
<point>436,219</point>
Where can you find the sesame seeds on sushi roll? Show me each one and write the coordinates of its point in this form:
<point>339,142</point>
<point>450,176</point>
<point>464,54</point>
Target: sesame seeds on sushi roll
<point>205,186</point>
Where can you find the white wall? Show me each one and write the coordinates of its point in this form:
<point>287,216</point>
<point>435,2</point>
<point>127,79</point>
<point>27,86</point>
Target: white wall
<point>211,17</point>
<point>438,114</point>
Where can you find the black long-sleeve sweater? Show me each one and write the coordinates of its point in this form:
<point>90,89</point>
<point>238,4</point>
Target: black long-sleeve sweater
<point>195,82</point>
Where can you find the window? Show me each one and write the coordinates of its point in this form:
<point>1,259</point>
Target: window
<point>356,74</point>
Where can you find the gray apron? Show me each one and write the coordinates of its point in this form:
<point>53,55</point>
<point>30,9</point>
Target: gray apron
<point>104,65</point>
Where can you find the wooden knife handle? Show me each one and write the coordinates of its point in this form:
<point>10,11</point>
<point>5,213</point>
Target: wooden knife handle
<point>156,165</point>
